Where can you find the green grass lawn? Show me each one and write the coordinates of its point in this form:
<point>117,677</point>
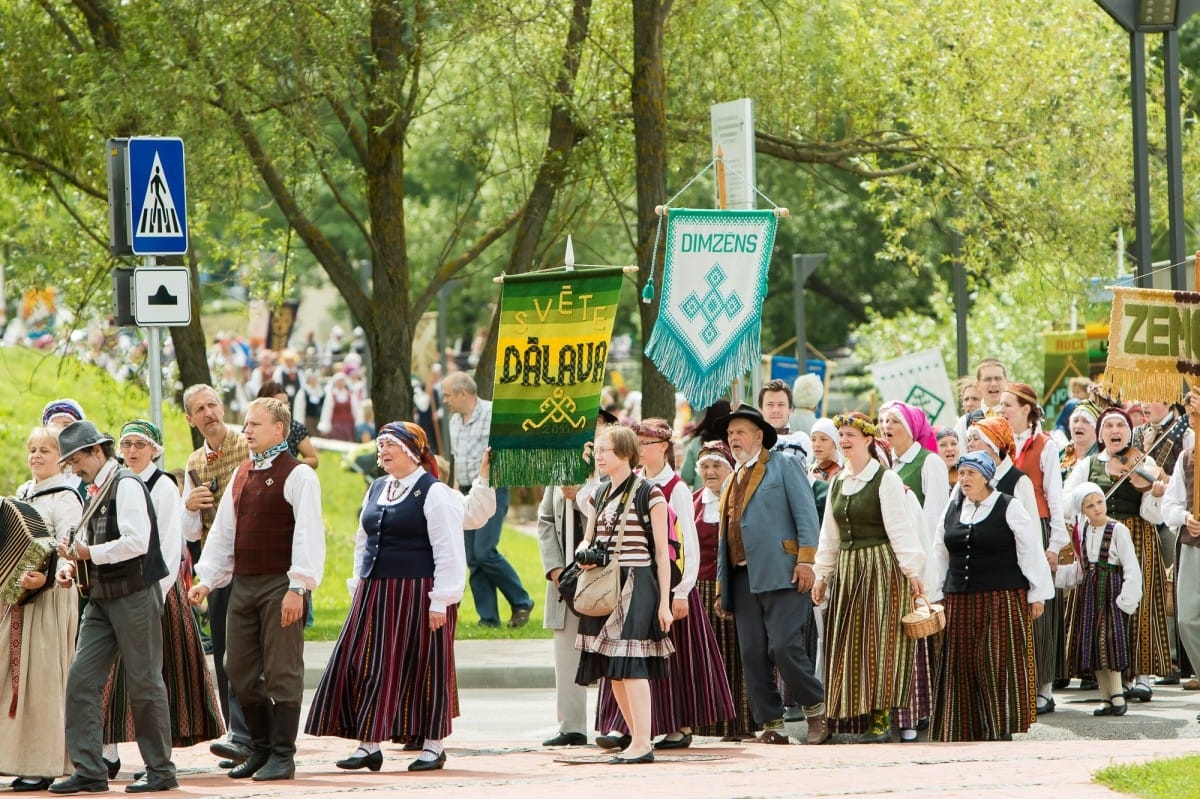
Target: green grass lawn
<point>1159,779</point>
<point>34,378</point>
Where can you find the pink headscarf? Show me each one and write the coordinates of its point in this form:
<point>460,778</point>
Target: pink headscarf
<point>915,422</point>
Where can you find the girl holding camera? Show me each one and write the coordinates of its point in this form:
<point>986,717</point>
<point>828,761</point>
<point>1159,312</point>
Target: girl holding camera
<point>630,645</point>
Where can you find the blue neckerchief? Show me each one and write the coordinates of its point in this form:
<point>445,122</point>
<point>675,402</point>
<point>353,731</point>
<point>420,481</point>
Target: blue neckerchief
<point>262,457</point>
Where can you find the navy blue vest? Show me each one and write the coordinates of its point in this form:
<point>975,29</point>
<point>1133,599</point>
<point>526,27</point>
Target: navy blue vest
<point>397,535</point>
<point>983,555</point>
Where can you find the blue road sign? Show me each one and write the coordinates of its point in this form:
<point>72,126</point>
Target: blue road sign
<point>157,209</point>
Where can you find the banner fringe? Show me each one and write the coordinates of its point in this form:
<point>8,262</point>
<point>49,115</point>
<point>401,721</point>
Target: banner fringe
<point>673,359</point>
<point>1144,385</point>
<point>538,467</point>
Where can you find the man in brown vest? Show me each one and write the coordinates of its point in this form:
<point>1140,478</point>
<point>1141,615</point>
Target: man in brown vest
<point>267,542</point>
<point>209,470</point>
<point>116,559</point>
<point>768,542</point>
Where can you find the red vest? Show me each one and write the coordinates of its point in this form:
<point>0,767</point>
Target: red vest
<point>1029,460</point>
<point>265,522</point>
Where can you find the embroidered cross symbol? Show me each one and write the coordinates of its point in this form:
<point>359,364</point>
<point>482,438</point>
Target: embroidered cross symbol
<point>712,305</point>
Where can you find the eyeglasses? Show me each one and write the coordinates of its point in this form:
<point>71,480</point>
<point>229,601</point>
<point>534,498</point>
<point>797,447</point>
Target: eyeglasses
<point>137,444</point>
<point>649,443</point>
<point>603,449</point>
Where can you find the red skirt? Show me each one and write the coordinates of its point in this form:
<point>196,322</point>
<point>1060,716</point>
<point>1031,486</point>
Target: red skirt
<point>389,677</point>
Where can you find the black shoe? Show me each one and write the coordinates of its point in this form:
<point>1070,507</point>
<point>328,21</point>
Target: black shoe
<point>248,769</point>
<point>632,761</point>
<point>679,743</point>
<point>373,761</point>
<point>78,784</point>
<point>1104,710</point>
<point>1140,692</point>
<point>566,739</point>
<point>150,784</point>
<point>1120,710</point>
<point>1061,683</point>
<point>922,724</point>
<point>230,750</point>
<point>19,784</point>
<point>280,767</point>
<point>1088,685</point>
<point>227,764</point>
<point>613,741</point>
<point>415,746</point>
<point>137,775</point>
<point>1045,705</point>
<point>793,713</point>
<point>428,765</point>
<point>1170,679</point>
<point>113,766</point>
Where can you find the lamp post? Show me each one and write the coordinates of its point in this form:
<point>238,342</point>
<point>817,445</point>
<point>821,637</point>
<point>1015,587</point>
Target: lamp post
<point>1140,17</point>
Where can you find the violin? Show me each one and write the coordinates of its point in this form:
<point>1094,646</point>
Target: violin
<point>1130,466</point>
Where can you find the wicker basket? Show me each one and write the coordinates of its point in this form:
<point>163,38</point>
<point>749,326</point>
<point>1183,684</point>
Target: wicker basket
<point>924,621</point>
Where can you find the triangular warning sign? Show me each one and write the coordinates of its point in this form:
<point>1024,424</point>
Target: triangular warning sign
<point>158,216</point>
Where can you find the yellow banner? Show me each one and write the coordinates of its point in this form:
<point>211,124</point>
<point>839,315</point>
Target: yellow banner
<point>1153,343</point>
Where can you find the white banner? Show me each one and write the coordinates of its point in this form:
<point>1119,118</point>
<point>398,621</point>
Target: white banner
<point>920,380</point>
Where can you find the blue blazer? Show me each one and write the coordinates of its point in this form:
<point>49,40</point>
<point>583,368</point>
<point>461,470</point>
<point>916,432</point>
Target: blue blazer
<point>779,526</point>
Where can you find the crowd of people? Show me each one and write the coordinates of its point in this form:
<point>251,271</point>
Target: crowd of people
<point>1050,551</point>
<point>770,578</point>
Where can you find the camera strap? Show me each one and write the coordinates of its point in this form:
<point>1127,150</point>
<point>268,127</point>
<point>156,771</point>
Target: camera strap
<point>625,501</point>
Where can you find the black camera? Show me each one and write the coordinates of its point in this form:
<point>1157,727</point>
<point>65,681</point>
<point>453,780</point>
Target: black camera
<point>597,555</point>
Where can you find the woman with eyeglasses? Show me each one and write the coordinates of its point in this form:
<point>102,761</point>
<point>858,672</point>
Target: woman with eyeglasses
<point>195,712</point>
<point>630,646</point>
<point>39,634</point>
<point>696,691</point>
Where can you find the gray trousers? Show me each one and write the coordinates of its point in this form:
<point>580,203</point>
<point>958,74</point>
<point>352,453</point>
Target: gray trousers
<point>771,629</point>
<point>258,647</point>
<point>571,698</point>
<point>1187,608</point>
<point>132,627</point>
<point>235,721</point>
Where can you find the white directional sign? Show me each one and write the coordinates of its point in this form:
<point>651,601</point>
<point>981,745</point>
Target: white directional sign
<point>162,296</point>
<point>157,209</point>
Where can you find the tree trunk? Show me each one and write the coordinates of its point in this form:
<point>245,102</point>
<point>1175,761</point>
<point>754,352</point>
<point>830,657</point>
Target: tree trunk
<point>191,350</point>
<point>649,94</point>
<point>565,133</point>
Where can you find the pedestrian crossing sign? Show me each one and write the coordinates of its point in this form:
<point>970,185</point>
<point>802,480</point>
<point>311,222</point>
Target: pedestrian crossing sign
<point>157,198</point>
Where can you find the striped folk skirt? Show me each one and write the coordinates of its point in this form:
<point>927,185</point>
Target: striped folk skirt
<point>1049,631</point>
<point>195,712</point>
<point>389,677</point>
<point>986,687</point>
<point>869,661</point>
<point>1150,649</point>
<point>1099,634</point>
<point>627,644</point>
<point>696,691</point>
<point>741,725</point>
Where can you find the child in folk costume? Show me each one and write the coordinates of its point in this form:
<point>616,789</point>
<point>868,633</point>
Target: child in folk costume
<point>1109,588</point>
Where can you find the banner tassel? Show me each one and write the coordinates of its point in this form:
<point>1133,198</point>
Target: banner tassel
<point>674,359</point>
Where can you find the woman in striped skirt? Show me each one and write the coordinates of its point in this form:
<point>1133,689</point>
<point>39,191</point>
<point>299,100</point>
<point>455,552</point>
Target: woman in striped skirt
<point>1110,588</point>
<point>696,691</point>
<point>868,565</point>
<point>989,563</point>
<point>195,712</point>
<point>1150,651</point>
<point>1037,456</point>
<point>391,674</point>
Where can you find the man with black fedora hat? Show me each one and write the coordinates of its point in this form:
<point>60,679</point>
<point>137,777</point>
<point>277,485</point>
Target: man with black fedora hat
<point>116,559</point>
<point>768,542</point>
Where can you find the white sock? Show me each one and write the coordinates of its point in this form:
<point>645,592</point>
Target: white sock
<point>908,735</point>
<point>1047,690</point>
<point>367,747</point>
<point>432,750</point>
<point>111,753</point>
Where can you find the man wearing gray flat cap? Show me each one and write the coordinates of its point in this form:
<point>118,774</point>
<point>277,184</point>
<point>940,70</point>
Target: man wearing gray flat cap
<point>115,558</point>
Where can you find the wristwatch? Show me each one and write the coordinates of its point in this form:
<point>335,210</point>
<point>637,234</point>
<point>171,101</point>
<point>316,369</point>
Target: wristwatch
<point>298,590</point>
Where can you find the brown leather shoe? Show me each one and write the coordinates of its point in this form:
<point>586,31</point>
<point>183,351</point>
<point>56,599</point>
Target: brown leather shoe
<point>818,730</point>
<point>1191,685</point>
<point>772,737</point>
